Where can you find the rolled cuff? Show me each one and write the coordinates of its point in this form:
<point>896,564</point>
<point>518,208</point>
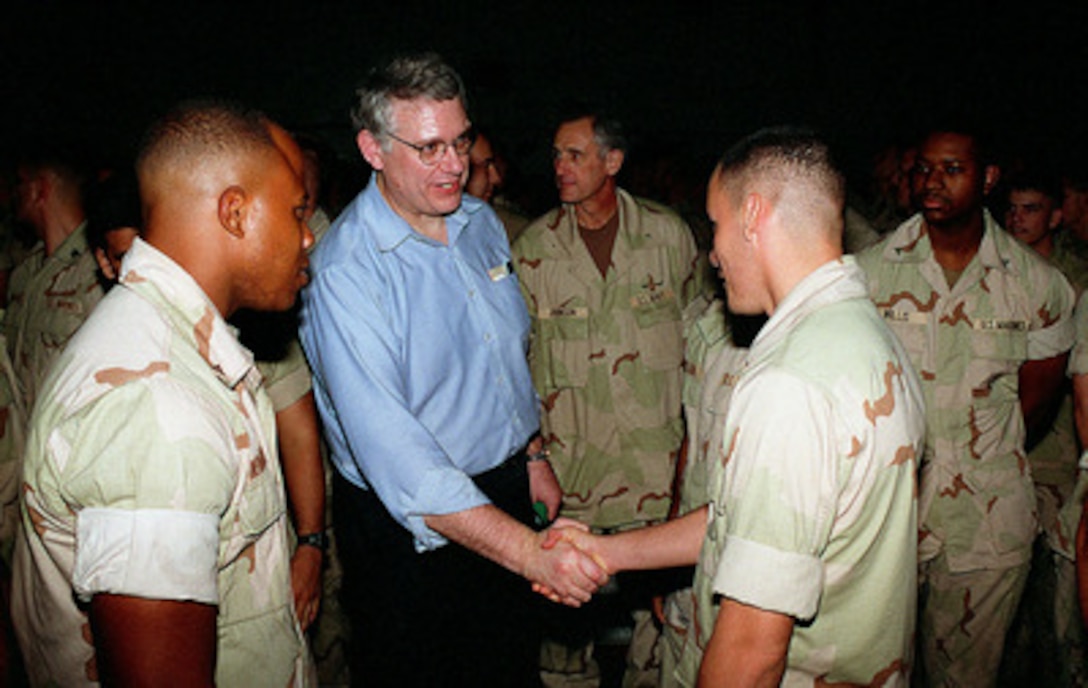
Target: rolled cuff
<point>770,579</point>
<point>442,491</point>
<point>159,554</point>
<point>1051,341</point>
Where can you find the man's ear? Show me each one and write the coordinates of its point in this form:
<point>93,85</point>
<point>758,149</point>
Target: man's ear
<point>1055,218</point>
<point>613,161</point>
<point>752,211</point>
<point>233,204</point>
<point>371,148</point>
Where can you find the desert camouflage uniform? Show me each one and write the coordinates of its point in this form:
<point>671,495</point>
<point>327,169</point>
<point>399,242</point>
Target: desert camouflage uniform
<point>12,430</point>
<point>813,510</point>
<point>1048,622</point>
<point>48,299</point>
<point>711,367</point>
<point>977,506</point>
<point>286,381</point>
<point>152,471</point>
<point>606,356</point>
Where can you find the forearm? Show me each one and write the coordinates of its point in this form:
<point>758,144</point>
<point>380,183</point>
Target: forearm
<point>140,642</point>
<point>1041,384</point>
<point>747,647</point>
<point>300,453</point>
<point>673,543</point>
<point>490,532</point>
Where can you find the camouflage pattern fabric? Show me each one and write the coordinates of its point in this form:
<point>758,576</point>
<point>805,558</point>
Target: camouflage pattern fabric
<point>606,355</point>
<point>968,343</point>
<point>977,499</point>
<point>48,299</point>
<point>813,507</point>
<point>712,364</point>
<point>152,471</point>
<point>12,429</point>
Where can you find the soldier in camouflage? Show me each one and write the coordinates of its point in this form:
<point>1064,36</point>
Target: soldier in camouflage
<point>606,277</point>
<point>811,523</point>
<point>152,485</point>
<point>50,293</point>
<point>1049,620</point>
<point>713,360</point>
<point>987,323</point>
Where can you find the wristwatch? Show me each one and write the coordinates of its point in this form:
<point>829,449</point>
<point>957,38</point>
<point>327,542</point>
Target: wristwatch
<point>318,540</point>
<point>541,455</point>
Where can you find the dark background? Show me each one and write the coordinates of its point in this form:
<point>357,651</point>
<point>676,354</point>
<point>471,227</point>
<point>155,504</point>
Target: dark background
<point>686,77</point>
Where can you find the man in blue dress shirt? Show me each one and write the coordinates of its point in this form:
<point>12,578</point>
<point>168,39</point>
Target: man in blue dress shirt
<point>417,335</point>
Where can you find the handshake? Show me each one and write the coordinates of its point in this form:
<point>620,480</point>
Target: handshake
<point>569,565</point>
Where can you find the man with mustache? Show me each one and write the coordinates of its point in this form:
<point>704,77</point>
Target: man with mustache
<point>987,323</point>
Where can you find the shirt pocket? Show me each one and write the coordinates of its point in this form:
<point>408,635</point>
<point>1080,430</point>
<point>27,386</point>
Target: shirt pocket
<point>660,335</point>
<point>261,501</point>
<point>994,367</point>
<point>566,330</point>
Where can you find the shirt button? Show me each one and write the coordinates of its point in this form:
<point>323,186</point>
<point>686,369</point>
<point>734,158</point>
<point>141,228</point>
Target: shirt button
<point>487,336</point>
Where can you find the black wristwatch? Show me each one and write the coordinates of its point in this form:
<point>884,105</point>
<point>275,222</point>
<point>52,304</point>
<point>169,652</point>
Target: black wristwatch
<point>318,540</point>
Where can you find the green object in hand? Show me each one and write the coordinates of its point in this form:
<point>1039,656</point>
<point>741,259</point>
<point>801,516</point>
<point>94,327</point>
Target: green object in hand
<point>541,511</point>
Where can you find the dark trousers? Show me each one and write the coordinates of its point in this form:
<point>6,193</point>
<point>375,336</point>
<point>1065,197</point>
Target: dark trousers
<point>447,617</point>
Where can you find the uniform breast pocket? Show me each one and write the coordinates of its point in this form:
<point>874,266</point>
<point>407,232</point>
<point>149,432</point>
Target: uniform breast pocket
<point>261,502</point>
<point>913,337</point>
<point>567,332</point>
<point>660,332</point>
<point>992,372</point>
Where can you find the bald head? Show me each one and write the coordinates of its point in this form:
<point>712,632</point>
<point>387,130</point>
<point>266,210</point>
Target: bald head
<point>794,170</point>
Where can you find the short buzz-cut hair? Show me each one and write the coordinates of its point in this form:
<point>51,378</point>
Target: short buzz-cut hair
<point>403,77</point>
<point>196,130</point>
<point>783,154</point>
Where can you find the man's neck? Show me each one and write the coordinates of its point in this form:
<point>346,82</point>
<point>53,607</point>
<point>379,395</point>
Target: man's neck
<point>595,211</point>
<point>955,244</point>
<point>57,228</point>
<point>430,226</point>
<point>1045,246</point>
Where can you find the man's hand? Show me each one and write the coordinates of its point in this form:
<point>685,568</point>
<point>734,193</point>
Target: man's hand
<point>544,487</point>
<point>306,583</point>
<point>562,572</point>
<point>567,532</point>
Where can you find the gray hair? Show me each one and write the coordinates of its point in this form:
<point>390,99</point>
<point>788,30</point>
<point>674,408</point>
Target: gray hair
<point>405,77</point>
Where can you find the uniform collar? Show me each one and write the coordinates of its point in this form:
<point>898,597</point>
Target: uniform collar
<point>156,277</point>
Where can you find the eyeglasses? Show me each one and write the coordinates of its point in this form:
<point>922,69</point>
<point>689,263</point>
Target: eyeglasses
<point>430,153</point>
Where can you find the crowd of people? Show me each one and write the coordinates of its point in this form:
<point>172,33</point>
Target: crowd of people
<point>267,424</point>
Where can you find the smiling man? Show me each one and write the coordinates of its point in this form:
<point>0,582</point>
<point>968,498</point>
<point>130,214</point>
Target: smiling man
<point>987,324</point>
<point>417,335</point>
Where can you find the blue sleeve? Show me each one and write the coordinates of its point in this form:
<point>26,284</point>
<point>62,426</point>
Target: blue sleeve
<point>359,377</point>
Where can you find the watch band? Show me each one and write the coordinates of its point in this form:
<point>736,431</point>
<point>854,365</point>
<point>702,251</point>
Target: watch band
<point>319,540</point>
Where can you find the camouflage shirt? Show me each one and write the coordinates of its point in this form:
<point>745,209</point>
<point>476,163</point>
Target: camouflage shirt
<point>48,299</point>
<point>152,471</point>
<point>712,364</point>
<point>605,356</point>
<point>813,510</point>
<point>977,500</point>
